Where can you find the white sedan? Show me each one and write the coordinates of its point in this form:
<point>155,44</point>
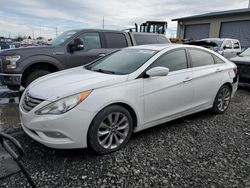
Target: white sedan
<point>101,104</point>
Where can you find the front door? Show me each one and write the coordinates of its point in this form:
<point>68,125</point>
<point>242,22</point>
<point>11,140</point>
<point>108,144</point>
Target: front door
<point>92,50</point>
<point>168,95</point>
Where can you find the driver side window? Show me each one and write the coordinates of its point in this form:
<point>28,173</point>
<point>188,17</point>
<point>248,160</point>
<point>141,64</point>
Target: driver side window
<point>91,41</point>
<point>175,60</point>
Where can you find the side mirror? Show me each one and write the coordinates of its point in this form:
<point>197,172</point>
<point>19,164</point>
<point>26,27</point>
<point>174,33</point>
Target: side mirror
<point>76,45</point>
<point>157,71</point>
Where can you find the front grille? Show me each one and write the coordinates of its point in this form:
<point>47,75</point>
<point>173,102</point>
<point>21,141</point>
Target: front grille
<point>30,102</point>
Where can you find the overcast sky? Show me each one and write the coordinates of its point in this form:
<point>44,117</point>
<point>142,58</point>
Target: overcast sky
<point>22,17</point>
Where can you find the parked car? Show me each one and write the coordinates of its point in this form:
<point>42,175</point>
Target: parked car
<point>226,47</point>
<point>19,67</point>
<point>101,104</point>
<point>243,63</point>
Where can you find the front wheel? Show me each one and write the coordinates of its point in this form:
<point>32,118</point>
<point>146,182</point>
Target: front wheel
<point>34,75</point>
<point>222,100</point>
<point>110,130</point>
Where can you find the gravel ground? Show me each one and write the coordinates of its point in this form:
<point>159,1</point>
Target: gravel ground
<point>201,150</point>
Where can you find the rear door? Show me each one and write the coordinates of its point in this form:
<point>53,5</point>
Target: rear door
<point>207,76</point>
<point>168,95</point>
<point>115,40</point>
<point>93,49</point>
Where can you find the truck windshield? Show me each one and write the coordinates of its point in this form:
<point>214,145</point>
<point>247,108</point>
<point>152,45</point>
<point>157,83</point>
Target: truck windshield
<point>121,62</point>
<point>62,38</point>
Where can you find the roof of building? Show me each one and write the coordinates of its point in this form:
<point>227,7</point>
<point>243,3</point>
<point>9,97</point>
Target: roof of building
<point>245,11</point>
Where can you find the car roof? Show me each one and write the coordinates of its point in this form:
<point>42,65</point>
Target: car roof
<point>156,47</point>
<point>220,39</point>
<point>159,47</point>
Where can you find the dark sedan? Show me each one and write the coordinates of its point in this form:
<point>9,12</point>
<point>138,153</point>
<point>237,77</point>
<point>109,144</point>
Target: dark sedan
<point>243,63</point>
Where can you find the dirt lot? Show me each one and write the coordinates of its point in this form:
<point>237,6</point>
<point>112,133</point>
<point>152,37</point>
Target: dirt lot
<point>201,150</point>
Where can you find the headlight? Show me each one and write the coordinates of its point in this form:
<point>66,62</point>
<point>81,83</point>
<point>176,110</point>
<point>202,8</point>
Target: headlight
<point>12,61</point>
<point>64,105</point>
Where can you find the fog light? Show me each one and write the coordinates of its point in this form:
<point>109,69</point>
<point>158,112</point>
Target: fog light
<point>55,135</point>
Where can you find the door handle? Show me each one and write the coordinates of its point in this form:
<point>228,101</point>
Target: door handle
<point>218,70</point>
<point>188,79</point>
<point>101,55</point>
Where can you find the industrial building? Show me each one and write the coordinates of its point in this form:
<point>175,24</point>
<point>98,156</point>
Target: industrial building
<point>225,24</point>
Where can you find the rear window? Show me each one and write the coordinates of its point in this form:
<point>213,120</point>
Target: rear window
<point>116,40</point>
<point>200,58</point>
<point>145,39</point>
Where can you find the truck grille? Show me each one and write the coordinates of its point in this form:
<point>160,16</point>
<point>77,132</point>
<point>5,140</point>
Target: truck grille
<point>30,102</point>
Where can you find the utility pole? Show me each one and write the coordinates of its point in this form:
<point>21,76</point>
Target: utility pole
<point>56,31</point>
<point>249,4</point>
<point>103,22</point>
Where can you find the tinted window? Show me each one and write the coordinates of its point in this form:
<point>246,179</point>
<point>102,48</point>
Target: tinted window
<point>91,41</point>
<point>201,58</point>
<point>145,39</point>
<point>116,40</point>
<point>175,60</point>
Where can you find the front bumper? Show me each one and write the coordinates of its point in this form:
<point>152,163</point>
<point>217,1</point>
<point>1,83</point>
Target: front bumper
<point>65,131</point>
<point>10,79</point>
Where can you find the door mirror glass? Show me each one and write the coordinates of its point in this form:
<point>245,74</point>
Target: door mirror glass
<point>76,45</point>
<point>158,71</point>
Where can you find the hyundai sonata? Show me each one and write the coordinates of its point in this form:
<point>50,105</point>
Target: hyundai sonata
<point>101,104</point>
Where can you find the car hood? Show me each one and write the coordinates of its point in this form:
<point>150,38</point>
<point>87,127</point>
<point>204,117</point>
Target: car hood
<point>241,60</point>
<point>65,83</point>
<point>29,51</point>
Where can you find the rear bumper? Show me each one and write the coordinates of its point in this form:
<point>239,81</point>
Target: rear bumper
<point>10,79</point>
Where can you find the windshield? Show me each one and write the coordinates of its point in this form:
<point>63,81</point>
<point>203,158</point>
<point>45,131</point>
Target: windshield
<point>62,38</point>
<point>246,52</point>
<point>121,62</point>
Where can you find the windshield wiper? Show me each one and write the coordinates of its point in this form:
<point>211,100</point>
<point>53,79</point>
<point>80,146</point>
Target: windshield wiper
<point>104,71</point>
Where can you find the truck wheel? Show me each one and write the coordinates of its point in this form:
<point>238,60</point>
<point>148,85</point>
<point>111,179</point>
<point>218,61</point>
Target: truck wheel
<point>34,75</point>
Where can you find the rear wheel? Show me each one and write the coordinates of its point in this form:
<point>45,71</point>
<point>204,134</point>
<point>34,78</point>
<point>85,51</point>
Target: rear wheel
<point>34,75</point>
<point>110,130</point>
<point>222,100</point>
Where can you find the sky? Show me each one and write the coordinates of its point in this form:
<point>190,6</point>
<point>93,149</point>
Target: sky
<point>45,17</point>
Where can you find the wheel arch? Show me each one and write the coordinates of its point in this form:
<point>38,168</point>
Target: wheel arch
<point>122,104</point>
<point>41,65</point>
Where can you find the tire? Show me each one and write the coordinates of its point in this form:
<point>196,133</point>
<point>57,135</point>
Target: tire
<point>34,75</point>
<point>222,100</point>
<point>107,124</point>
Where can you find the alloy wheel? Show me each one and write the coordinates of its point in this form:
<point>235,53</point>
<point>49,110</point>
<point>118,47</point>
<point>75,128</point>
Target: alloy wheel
<point>223,99</point>
<point>113,130</point>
